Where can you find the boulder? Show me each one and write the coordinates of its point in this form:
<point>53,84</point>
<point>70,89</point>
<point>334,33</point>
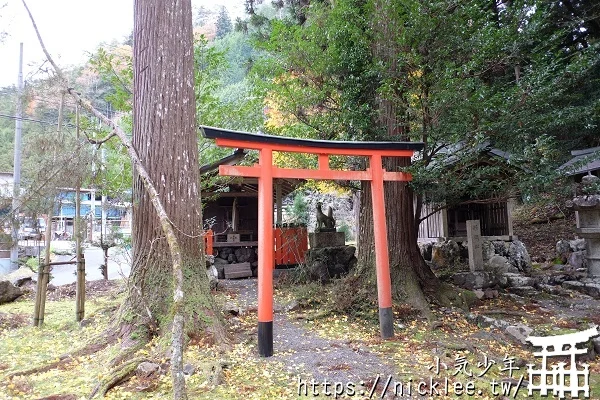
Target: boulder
<point>488,250</point>
<point>189,369</point>
<point>9,292</point>
<point>426,249</point>
<point>245,254</point>
<point>596,343</point>
<point>445,254</point>
<point>500,265</point>
<point>515,280</point>
<point>475,280</point>
<point>21,276</point>
<point>213,276</point>
<point>519,332</point>
<point>524,291</point>
<point>225,252</point>
<point>146,369</point>
<point>563,247</point>
<point>518,256</point>
<point>577,245</point>
<point>501,247</point>
<point>324,264</point>
<point>573,285</point>
<point>577,259</point>
<point>220,261</point>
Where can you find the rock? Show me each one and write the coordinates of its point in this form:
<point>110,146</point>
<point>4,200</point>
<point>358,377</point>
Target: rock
<point>563,247</point>
<point>592,289</point>
<point>210,260</point>
<point>231,308</point>
<point>85,322</point>
<point>490,293</point>
<point>577,259</point>
<point>426,249</point>
<point>501,248</point>
<point>189,369</point>
<point>213,276</point>
<point>485,322</point>
<point>220,261</point>
<point>324,264</point>
<point>245,254</point>
<point>519,332</point>
<point>573,285</point>
<point>231,258</point>
<point>596,343</point>
<point>479,293</point>
<point>346,257</point>
<point>225,252</point>
<point>500,265</point>
<point>488,250</point>
<point>577,245</point>
<point>474,280</point>
<point>20,277</point>
<point>518,256</point>
<point>445,254</point>
<point>9,292</point>
<point>551,289</point>
<point>294,305</point>
<point>524,291</point>
<point>220,270</point>
<point>146,369</point>
<point>515,280</point>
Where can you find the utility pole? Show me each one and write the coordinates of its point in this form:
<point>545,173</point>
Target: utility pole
<point>14,253</point>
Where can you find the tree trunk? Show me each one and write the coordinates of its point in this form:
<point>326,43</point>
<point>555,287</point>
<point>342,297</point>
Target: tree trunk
<point>165,138</point>
<point>411,276</point>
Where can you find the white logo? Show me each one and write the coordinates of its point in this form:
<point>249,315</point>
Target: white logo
<point>561,380</point>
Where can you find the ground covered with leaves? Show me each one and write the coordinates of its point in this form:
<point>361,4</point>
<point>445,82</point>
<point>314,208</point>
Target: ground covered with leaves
<point>316,350</point>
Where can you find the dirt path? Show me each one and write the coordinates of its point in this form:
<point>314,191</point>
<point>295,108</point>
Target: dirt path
<point>309,356</point>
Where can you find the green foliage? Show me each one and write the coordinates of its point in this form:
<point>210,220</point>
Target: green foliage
<point>299,209</point>
<point>223,23</point>
<point>453,74</point>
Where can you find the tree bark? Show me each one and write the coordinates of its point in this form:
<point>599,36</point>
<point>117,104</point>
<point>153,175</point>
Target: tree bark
<point>411,276</point>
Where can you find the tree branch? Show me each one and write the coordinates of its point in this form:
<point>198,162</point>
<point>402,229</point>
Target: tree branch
<point>174,249</point>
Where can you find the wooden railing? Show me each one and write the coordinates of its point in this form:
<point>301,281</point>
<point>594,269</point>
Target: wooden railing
<point>291,244</point>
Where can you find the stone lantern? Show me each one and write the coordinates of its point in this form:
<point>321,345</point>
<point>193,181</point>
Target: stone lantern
<point>588,226</point>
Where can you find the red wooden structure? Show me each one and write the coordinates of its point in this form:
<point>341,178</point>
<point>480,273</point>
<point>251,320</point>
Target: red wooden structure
<point>265,171</point>
<point>291,245</point>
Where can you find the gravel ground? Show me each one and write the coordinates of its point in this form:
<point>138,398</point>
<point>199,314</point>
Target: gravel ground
<point>310,356</point>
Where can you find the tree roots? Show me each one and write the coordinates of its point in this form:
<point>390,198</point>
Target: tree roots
<point>118,375</point>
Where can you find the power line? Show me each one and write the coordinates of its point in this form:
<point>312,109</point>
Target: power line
<point>31,120</point>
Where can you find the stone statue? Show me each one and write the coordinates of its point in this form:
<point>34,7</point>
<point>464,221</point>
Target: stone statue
<point>325,222</point>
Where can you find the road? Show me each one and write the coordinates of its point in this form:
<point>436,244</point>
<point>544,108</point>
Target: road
<point>119,266</point>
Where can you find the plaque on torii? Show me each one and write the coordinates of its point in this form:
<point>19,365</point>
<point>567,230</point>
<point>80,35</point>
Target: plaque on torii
<point>265,171</point>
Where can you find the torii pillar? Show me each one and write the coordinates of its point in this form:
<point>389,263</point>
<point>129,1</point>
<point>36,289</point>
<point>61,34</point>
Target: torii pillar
<point>265,171</point>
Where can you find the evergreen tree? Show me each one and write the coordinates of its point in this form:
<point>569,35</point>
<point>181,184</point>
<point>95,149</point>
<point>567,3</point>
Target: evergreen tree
<point>224,25</point>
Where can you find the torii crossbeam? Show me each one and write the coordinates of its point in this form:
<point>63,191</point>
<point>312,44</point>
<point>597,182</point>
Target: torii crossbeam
<point>265,171</point>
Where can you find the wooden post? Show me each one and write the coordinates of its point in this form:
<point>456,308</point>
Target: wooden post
<point>235,215</point>
<point>384,281</point>
<point>80,288</point>
<point>265,254</point>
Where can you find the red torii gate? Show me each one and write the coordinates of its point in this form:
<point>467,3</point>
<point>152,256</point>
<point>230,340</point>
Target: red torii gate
<point>265,171</point>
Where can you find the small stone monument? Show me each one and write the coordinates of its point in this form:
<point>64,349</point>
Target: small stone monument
<point>328,256</point>
<point>588,210</point>
<point>474,245</point>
